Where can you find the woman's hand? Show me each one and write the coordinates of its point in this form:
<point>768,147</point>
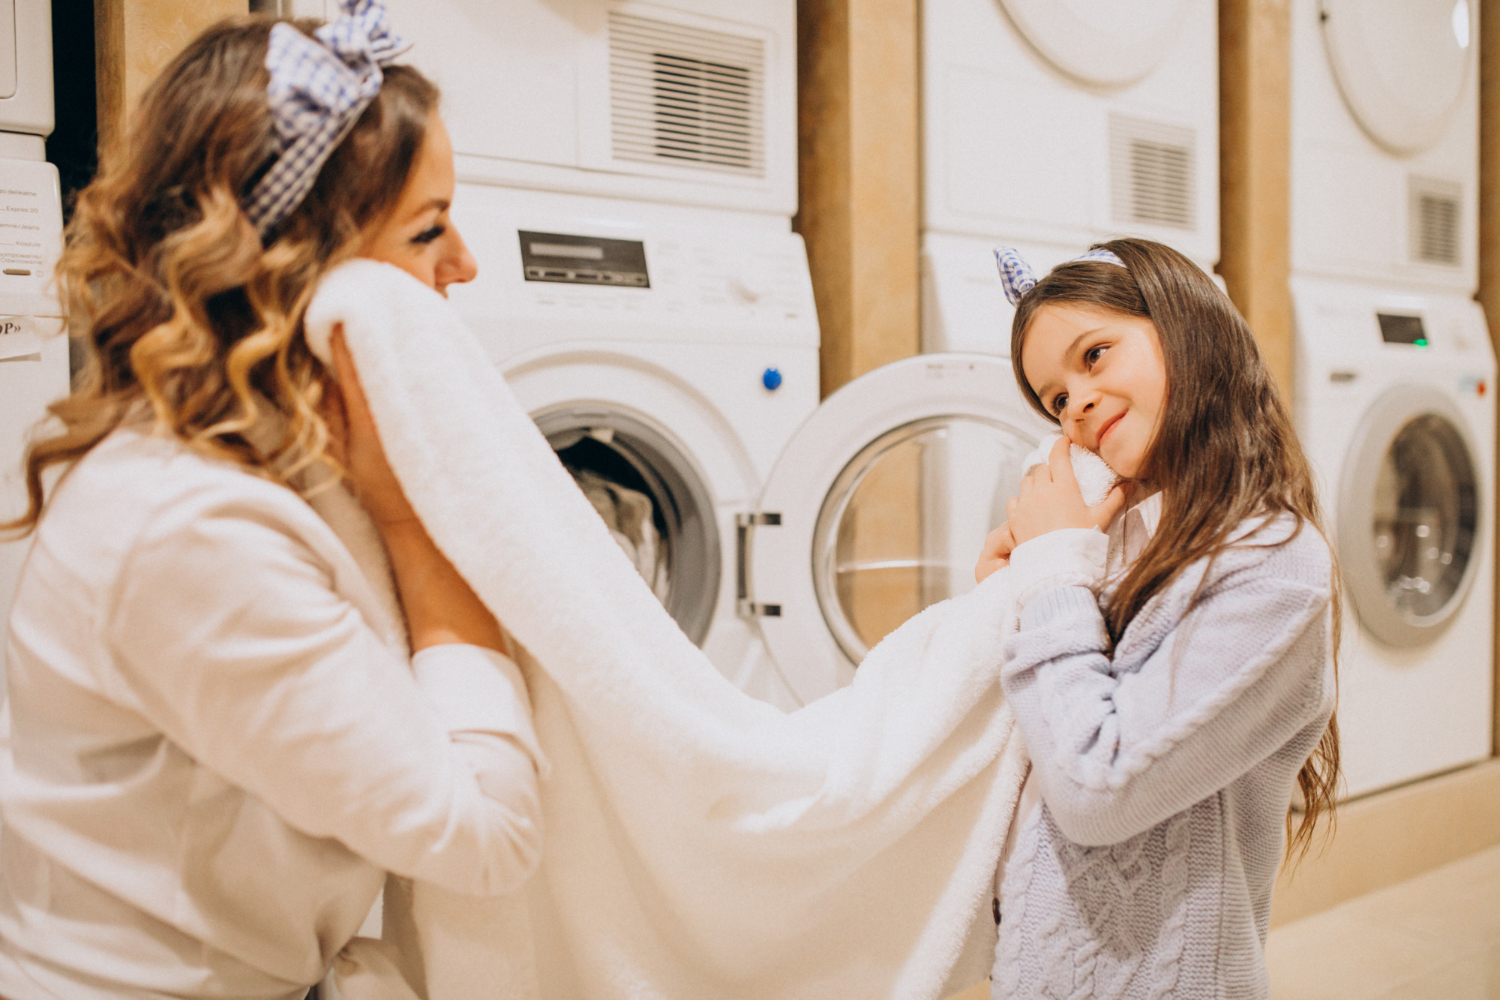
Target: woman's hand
<point>356,444</point>
<point>1050,500</point>
<point>440,605</point>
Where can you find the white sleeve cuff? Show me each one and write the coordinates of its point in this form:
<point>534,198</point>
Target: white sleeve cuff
<point>477,690</point>
<point>1068,557</point>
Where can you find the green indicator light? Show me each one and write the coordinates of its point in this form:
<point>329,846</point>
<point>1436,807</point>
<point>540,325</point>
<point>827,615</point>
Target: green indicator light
<point>1420,341</point>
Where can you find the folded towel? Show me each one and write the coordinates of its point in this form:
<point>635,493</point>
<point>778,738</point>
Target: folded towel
<point>700,843</point>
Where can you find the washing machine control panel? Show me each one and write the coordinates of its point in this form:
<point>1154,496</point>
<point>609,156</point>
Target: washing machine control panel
<point>583,260</point>
<point>553,269</point>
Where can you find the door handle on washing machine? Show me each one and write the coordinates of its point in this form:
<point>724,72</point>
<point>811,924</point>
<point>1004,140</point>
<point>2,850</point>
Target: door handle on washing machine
<point>745,525</point>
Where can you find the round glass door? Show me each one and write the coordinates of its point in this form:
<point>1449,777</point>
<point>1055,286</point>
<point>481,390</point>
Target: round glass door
<point>1409,521</point>
<point>902,526</point>
<point>652,500</point>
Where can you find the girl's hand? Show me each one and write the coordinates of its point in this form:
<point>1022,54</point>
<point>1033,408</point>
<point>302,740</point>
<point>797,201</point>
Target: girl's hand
<point>356,444</point>
<point>1050,500</point>
<point>998,546</point>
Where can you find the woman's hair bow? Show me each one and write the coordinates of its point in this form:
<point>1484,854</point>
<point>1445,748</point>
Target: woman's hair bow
<point>317,91</point>
<point>1017,277</point>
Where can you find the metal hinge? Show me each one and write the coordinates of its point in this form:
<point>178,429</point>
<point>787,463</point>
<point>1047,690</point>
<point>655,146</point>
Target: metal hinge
<point>745,525</point>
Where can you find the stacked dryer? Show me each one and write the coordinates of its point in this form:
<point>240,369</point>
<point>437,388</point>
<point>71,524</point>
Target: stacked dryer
<point>1395,373</point>
<point>628,176</point>
<point>33,362</point>
<point>1052,124</point>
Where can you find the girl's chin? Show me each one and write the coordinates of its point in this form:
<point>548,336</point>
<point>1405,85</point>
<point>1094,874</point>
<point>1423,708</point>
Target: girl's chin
<point>1125,466</point>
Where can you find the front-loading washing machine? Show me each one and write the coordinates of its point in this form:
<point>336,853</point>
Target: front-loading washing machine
<point>1049,125</point>
<point>670,355</point>
<point>629,174</point>
<point>1394,386</point>
<point>33,358</point>
<point>1397,407</point>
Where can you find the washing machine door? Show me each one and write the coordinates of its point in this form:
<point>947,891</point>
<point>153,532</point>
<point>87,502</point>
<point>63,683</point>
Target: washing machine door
<point>652,498</point>
<point>1408,520</point>
<point>878,508</point>
<point>1401,65</point>
<point>1100,41</point>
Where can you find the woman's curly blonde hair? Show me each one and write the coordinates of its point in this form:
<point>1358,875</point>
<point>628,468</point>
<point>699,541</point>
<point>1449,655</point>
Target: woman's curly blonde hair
<point>184,312</point>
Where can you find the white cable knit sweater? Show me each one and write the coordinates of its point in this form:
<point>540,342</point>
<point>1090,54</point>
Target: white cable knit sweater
<point>1164,769</point>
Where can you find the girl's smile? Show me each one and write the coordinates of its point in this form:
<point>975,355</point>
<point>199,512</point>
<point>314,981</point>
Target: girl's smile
<point>1101,374</point>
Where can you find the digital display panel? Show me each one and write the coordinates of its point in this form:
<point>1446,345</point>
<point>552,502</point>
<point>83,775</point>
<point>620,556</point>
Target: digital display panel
<point>1396,329</point>
<point>583,260</point>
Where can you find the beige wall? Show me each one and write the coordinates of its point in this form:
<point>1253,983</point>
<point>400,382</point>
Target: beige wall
<point>1255,171</point>
<point>858,161</point>
<point>134,39</point>
<point>1489,231</point>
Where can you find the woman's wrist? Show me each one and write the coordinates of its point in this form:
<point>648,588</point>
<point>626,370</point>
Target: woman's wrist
<point>440,606</point>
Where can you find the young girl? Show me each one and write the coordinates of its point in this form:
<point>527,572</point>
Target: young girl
<point>220,740</point>
<point>1174,681</point>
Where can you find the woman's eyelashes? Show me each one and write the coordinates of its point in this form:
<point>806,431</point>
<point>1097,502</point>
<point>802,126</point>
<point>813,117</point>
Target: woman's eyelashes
<point>1059,403</point>
<point>1093,354</point>
<point>426,236</point>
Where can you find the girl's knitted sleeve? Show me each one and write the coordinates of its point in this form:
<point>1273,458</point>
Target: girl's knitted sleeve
<point>1236,670</point>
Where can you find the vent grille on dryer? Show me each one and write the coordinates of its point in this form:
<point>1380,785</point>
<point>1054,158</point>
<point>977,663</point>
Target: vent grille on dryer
<point>1153,173</point>
<point>686,96</point>
<point>1436,221</point>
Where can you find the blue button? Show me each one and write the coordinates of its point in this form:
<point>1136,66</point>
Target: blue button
<point>771,378</point>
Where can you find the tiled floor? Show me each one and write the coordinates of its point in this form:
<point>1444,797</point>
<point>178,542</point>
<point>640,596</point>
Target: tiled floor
<point>1436,936</point>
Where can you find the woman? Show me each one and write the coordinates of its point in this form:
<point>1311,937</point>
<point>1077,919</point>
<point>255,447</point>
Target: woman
<point>221,741</point>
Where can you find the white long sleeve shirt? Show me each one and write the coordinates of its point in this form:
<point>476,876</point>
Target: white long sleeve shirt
<point>218,745</point>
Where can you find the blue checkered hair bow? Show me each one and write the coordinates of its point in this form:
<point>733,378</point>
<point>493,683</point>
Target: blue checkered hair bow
<point>1017,277</point>
<point>318,89</point>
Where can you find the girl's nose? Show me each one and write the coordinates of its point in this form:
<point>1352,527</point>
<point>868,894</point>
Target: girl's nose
<point>1079,405</point>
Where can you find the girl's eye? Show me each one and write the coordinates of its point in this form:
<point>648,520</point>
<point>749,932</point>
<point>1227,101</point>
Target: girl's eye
<point>1093,354</point>
<point>1059,403</point>
<point>428,235</point>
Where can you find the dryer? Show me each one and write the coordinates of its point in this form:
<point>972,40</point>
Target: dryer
<point>33,361</point>
<point>1395,371</point>
<point>685,103</point>
<point>1053,124</point>
<point>672,352</point>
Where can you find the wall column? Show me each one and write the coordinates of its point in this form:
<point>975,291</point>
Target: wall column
<point>858,181</point>
<point>1489,232</point>
<point>134,39</point>
<point>1255,50</point>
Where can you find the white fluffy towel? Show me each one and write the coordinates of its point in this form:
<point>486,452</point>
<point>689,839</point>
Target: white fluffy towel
<point>1095,477</point>
<point>700,845</point>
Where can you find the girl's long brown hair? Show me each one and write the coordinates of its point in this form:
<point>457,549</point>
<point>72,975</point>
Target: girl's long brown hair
<point>184,313</point>
<point>1225,444</point>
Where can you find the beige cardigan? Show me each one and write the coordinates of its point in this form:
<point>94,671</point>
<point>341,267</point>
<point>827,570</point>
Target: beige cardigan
<point>218,745</point>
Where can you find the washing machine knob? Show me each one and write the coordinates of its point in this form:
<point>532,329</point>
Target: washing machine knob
<point>771,378</point>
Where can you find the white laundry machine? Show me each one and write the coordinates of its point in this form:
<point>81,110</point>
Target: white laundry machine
<point>1395,370</point>
<point>33,361</point>
<point>672,351</point>
<point>690,103</point>
<point>1053,124</point>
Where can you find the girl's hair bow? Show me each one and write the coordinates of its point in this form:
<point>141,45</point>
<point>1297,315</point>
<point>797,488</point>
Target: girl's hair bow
<point>1017,277</point>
